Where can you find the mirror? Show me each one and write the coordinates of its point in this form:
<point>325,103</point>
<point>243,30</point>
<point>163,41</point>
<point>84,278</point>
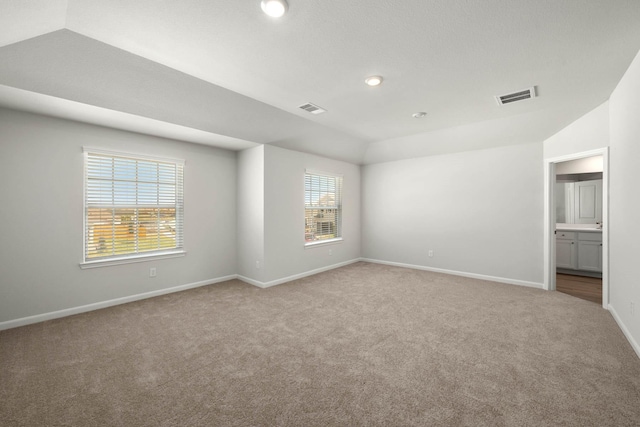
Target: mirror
<point>578,192</point>
<point>578,201</point>
<point>563,189</point>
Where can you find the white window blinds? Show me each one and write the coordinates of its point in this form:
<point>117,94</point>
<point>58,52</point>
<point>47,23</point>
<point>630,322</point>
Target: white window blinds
<point>133,206</point>
<point>323,206</point>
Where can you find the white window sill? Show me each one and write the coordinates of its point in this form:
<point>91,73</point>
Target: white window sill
<point>131,259</point>
<point>317,243</point>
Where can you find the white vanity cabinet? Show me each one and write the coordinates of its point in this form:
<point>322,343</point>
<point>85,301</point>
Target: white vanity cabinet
<point>590,251</point>
<point>577,250</point>
<point>566,250</point>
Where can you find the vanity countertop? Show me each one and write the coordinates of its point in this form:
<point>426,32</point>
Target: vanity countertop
<point>587,228</point>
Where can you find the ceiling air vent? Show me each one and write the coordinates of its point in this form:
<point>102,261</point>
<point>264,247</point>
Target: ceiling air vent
<point>312,108</point>
<point>520,95</point>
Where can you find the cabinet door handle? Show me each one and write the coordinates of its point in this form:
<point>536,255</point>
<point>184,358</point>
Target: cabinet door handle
<point>572,243</point>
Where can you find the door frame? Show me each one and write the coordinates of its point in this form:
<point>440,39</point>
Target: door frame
<point>550,218</point>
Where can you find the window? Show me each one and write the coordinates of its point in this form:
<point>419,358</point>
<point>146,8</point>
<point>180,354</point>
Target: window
<point>133,207</point>
<point>323,207</point>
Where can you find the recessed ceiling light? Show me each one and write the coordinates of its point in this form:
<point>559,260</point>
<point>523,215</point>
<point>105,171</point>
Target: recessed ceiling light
<point>274,8</point>
<point>419,115</point>
<point>373,80</point>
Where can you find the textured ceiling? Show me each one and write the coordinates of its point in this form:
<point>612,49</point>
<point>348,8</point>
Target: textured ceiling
<point>224,69</point>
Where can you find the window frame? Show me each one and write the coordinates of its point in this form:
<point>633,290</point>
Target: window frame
<point>339,208</point>
<point>136,256</point>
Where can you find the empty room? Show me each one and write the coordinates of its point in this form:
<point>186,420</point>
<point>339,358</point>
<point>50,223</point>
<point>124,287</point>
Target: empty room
<point>318,213</point>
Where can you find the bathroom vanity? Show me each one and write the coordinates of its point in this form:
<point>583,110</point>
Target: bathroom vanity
<point>579,247</point>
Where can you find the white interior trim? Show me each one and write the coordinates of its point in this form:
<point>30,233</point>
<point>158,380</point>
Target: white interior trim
<point>549,219</point>
<point>316,243</point>
<point>179,201</point>
<point>117,301</point>
<point>458,273</point>
<point>109,303</point>
<point>549,283</point>
<point>322,173</point>
<point>132,155</point>
<point>296,276</point>
<point>625,331</point>
<point>131,259</point>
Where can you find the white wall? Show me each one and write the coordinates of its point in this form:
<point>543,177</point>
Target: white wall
<point>481,212</point>
<point>41,176</point>
<point>251,212</point>
<point>589,132</point>
<point>285,253</point>
<point>624,164</point>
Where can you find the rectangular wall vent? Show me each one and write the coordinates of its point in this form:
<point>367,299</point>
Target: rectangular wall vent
<point>312,108</point>
<point>520,95</point>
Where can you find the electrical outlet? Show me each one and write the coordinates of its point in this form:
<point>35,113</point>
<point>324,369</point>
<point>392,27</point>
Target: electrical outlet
<point>430,253</point>
<point>257,264</point>
<point>152,272</point>
<point>330,252</point>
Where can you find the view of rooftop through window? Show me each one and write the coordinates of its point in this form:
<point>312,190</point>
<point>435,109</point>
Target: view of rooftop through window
<point>323,207</point>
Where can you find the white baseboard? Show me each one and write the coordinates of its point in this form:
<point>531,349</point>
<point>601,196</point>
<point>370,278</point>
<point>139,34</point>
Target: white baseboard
<point>458,273</point>
<point>117,301</point>
<point>96,306</point>
<point>250,281</point>
<point>625,331</point>
<point>104,304</point>
<point>295,276</point>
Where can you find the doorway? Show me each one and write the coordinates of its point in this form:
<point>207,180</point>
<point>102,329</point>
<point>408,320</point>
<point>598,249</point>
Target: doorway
<point>574,231</point>
<point>583,287</point>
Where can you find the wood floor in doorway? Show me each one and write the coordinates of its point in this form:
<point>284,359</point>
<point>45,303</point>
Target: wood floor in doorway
<point>587,288</point>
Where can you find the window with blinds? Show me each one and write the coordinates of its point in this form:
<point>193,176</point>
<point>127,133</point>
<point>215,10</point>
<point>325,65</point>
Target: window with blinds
<point>323,207</point>
<point>133,206</point>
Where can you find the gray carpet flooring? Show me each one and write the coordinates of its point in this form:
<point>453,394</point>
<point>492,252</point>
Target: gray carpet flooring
<point>361,345</point>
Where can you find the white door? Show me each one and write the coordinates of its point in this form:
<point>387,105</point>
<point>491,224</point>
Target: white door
<point>588,202</point>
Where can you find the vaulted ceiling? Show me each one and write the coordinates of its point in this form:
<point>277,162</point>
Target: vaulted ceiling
<point>220,72</point>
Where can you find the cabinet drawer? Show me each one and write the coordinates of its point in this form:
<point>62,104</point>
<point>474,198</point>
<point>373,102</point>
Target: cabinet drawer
<point>590,237</point>
<point>566,235</point>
